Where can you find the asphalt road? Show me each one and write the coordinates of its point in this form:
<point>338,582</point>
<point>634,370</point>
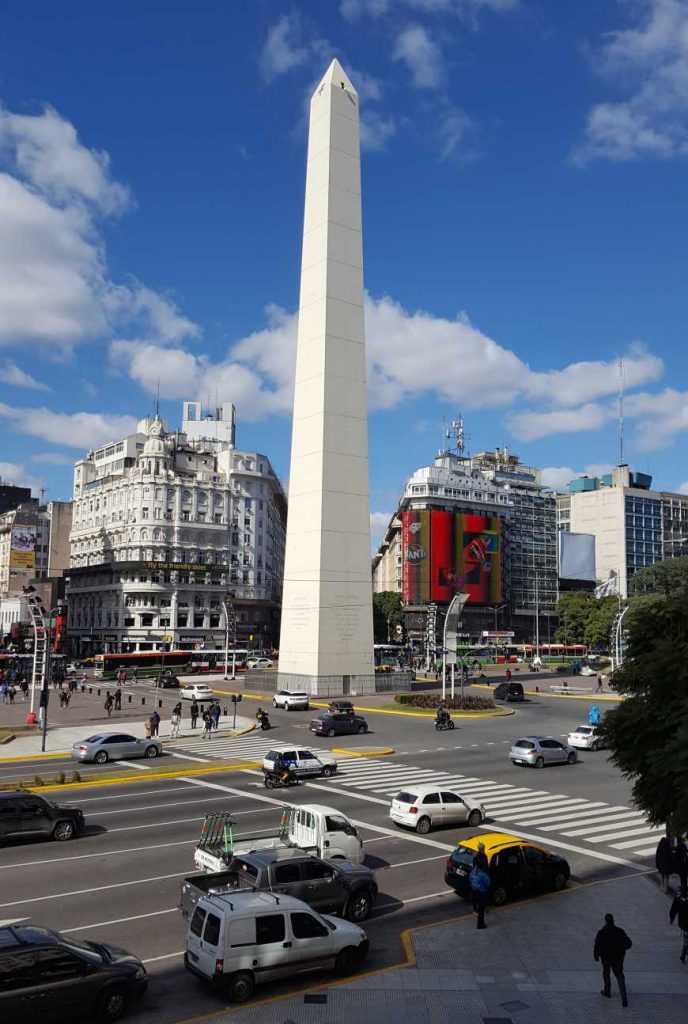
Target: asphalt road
<point>120,881</point>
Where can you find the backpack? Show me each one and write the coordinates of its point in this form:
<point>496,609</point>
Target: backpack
<point>479,880</point>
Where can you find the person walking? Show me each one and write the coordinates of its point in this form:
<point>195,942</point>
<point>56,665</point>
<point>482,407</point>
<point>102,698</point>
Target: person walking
<point>611,946</point>
<point>13,693</point>
<point>5,692</point>
<point>175,722</point>
<point>24,685</point>
<point>681,861</point>
<point>599,684</point>
<point>194,713</point>
<point>664,861</point>
<point>215,714</point>
<point>679,909</point>
<point>479,882</point>
<point>118,699</point>
<point>108,705</point>
<point>507,676</point>
<point>207,725</point>
<point>148,728</point>
<point>155,723</point>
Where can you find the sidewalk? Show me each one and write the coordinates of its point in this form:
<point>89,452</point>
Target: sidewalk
<point>532,965</point>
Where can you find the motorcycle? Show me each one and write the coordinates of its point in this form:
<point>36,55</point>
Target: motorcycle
<point>443,723</point>
<point>264,721</point>
<point>275,780</point>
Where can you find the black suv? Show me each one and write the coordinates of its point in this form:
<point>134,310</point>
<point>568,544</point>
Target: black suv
<point>341,707</point>
<point>25,814</point>
<point>48,976</point>
<point>509,692</point>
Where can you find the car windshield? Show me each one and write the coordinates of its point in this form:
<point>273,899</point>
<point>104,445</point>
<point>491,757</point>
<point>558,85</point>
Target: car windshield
<point>585,729</point>
<point>87,949</point>
<point>407,798</point>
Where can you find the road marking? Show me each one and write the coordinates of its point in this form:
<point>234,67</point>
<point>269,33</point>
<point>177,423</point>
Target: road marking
<point>595,854</point>
<point>564,818</point>
<point>646,831</point>
<point>187,757</point>
<point>629,819</point>
<point>654,833</point>
<point>155,824</point>
<point>132,764</point>
<point>120,920</point>
<point>13,920</point>
<point>136,793</point>
<point>100,853</point>
<point>172,803</point>
<point>406,863</point>
<point>167,956</point>
<point>379,907</point>
<point>98,888</point>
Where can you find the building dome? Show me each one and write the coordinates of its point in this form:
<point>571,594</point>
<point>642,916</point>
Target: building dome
<point>155,445</point>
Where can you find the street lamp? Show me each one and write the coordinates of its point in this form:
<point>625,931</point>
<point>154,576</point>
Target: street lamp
<point>228,609</point>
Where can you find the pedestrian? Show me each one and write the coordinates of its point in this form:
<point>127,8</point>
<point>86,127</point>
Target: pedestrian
<point>5,692</point>
<point>178,709</point>
<point>175,722</point>
<point>13,693</point>
<point>24,689</point>
<point>207,725</point>
<point>215,714</point>
<point>118,699</point>
<point>194,713</point>
<point>679,908</point>
<point>148,728</point>
<point>664,861</point>
<point>479,882</point>
<point>155,723</point>
<point>611,946</point>
<point>681,861</point>
<point>67,698</point>
<point>507,676</point>
<point>108,703</point>
<point>84,679</point>
<point>599,684</point>
<point>133,675</point>
<point>480,859</point>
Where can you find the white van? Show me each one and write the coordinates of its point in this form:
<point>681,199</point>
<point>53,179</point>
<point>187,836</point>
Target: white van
<point>238,940</point>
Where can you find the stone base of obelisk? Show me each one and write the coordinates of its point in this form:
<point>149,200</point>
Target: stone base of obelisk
<point>327,686</point>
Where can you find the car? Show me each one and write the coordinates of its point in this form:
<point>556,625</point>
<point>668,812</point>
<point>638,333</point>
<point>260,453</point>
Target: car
<point>291,699</point>
<point>49,976</point>
<point>509,692</point>
<point>426,807</point>
<point>71,668</point>
<point>338,725</point>
<point>537,751</point>
<point>344,707</point>
<point>585,737</point>
<point>260,663</point>
<point>114,746</point>
<point>23,814</point>
<point>587,671</point>
<point>305,763</point>
<point>196,691</point>
<point>516,867</point>
<point>168,682</point>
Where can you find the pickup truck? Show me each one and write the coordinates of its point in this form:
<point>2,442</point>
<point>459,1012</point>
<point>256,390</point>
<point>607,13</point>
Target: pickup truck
<point>311,828</point>
<point>330,888</point>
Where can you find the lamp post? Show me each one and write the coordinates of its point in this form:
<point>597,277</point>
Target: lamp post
<point>228,609</point>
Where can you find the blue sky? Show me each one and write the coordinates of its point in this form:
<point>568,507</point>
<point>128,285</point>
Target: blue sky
<point>524,177</point>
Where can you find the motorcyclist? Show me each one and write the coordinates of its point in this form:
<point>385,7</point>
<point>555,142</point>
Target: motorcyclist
<point>442,714</point>
<point>262,717</point>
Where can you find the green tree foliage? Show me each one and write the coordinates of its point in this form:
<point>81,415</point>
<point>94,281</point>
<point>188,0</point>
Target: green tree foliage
<point>667,577</point>
<point>648,732</point>
<point>386,615</point>
<point>583,619</point>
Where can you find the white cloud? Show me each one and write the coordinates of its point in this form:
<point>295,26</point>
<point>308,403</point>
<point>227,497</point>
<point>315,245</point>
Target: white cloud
<point>379,521</point>
<point>11,473</point>
<point>649,63</point>
<point>11,374</point>
<point>422,56</point>
<point>559,477</point>
<point>531,426</point>
<point>660,417</point>
<point>353,9</point>
<point>135,303</point>
<point>454,125</point>
<point>587,381</point>
<point>376,130</point>
<point>83,430</point>
<point>284,47</point>
<point>683,488</point>
<point>53,459</point>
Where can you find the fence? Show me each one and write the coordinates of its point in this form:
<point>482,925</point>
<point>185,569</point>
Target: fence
<point>268,682</point>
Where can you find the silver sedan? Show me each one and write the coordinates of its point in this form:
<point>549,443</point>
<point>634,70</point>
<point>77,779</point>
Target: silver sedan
<point>114,746</point>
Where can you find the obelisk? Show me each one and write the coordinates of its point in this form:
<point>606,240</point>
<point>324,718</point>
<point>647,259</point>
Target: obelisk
<point>326,642</point>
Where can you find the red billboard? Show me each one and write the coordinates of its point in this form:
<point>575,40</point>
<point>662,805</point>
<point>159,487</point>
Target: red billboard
<point>444,553</point>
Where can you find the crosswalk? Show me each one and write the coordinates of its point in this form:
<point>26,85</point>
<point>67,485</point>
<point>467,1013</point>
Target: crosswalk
<point>251,747</point>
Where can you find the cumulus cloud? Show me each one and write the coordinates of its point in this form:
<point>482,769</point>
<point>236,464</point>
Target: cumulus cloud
<point>11,473</point>
<point>421,54</point>
<point>683,488</point>
<point>376,131</point>
<point>660,417</point>
<point>648,62</point>
<point>352,10</point>
<point>559,477</point>
<point>531,426</point>
<point>83,430</point>
<point>285,46</point>
<point>11,374</point>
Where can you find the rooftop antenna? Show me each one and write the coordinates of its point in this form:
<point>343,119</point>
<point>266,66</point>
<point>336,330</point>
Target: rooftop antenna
<point>457,433</point>
<point>621,411</point>
<point>157,399</point>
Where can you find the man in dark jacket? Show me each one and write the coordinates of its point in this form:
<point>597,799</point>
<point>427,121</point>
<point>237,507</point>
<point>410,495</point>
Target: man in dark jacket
<point>681,861</point>
<point>611,946</point>
<point>664,861</point>
<point>679,908</point>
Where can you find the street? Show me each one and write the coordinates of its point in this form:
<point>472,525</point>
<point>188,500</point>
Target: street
<point>120,882</point>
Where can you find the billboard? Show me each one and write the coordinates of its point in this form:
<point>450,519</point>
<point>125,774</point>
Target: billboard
<point>576,556</point>
<point>445,553</point>
<point>23,547</point>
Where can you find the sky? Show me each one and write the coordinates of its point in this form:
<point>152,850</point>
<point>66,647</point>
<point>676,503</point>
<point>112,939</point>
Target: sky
<point>524,215</point>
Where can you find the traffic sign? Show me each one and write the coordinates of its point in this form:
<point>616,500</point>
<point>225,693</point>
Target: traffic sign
<point>169,638</point>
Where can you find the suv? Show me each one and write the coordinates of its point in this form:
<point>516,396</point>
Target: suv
<point>509,692</point>
<point>25,814</point>
<point>49,976</point>
<point>341,707</point>
<point>290,699</point>
<point>305,763</point>
<point>338,725</point>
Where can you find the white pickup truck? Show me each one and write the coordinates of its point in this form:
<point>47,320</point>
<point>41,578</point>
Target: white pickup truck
<point>323,831</point>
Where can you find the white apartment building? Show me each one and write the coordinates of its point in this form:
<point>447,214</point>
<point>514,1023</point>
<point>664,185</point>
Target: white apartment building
<point>166,526</point>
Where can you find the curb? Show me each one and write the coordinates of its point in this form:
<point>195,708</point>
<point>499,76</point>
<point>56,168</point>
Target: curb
<point>8,739</point>
<point>497,713</point>
<point>559,696</point>
<point>382,752</point>
<point>120,780</point>
<point>243,732</point>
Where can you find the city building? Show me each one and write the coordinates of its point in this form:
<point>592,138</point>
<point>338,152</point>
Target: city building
<point>11,497</point>
<point>34,544</point>
<point>166,528</point>
<point>633,525</point>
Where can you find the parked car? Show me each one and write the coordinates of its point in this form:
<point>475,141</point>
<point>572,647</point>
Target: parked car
<point>114,746</point>
<point>537,751</point>
<point>48,976</point>
<point>196,691</point>
<point>71,668</point>
<point>305,763</point>
<point>344,707</point>
<point>509,692</point>
<point>26,814</point>
<point>516,867</point>
<point>426,807</point>
<point>585,737</point>
<point>291,700</point>
<point>338,725</point>
<point>238,939</point>
<point>331,887</point>
<point>260,663</point>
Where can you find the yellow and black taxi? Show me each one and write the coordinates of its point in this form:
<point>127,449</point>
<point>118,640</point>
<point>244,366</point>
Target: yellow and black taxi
<point>517,867</point>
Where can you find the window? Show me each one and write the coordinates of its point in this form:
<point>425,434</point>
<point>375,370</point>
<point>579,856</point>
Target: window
<point>451,798</point>
<point>534,858</point>
<point>197,922</point>
<point>336,824</point>
<point>59,965</point>
<point>287,873</point>
<point>270,928</point>
<point>211,934</point>
<point>305,926</point>
<point>431,798</point>
<point>17,970</point>
<point>313,869</point>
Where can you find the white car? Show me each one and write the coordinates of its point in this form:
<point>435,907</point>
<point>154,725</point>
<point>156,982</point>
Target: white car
<point>290,700</point>
<point>260,663</point>
<point>423,807</point>
<point>585,737</point>
<point>71,668</point>
<point>587,671</point>
<point>196,691</point>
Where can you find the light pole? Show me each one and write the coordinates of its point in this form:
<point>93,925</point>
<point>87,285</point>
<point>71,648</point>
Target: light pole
<point>228,609</point>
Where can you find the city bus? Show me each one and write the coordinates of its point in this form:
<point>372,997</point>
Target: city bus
<point>150,663</point>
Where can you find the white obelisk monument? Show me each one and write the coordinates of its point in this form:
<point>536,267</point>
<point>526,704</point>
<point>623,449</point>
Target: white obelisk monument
<point>326,642</point>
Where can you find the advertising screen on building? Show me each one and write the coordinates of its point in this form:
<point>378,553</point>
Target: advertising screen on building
<point>445,553</point>
<point>23,548</point>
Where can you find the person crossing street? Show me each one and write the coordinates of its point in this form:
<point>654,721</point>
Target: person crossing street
<point>611,946</point>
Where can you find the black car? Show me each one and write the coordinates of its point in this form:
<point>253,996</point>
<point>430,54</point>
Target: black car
<point>168,682</point>
<point>25,814</point>
<point>48,976</point>
<point>510,692</point>
<point>516,868</point>
<point>338,725</point>
<point>341,707</point>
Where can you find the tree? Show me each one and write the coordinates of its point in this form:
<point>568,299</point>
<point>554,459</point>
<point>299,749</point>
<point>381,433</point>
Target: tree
<point>573,611</point>
<point>648,732</point>
<point>387,615</point>
<point>601,617</point>
<point>667,577</point>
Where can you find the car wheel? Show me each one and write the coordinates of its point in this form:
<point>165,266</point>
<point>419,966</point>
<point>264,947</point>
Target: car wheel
<point>539,762</point>
<point>361,729</point>
<point>573,757</point>
<point>101,757</point>
<point>499,896</point>
<point>275,704</point>
<point>112,1004</point>
<point>347,961</point>
<point>327,771</point>
<point>559,881</point>
<point>240,987</point>
<point>358,907</point>
<point>474,819</point>
<point>151,751</point>
<point>330,733</point>
<point>595,747</point>
<point>63,831</point>
<point>423,826</point>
